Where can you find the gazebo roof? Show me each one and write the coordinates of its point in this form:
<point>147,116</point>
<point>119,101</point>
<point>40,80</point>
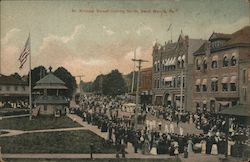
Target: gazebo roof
<point>237,110</point>
<point>50,81</point>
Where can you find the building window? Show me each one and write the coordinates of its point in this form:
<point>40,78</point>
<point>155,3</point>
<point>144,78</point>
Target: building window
<point>182,63</point>
<point>204,65</point>
<point>233,86</point>
<point>0,88</point>
<point>214,86</point>
<point>214,64</point>
<point>204,88</point>
<point>224,87</point>
<point>7,88</point>
<point>225,61</point>
<point>16,88</point>
<point>244,94</point>
<point>198,67</point>
<point>244,76</point>
<point>198,89</point>
<point>233,61</point>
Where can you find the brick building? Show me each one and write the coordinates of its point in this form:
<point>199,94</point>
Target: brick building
<point>220,71</point>
<point>172,63</point>
<point>146,85</point>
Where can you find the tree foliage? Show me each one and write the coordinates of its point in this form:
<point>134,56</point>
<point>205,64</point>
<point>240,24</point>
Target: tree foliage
<point>68,79</point>
<point>113,84</point>
<point>36,74</point>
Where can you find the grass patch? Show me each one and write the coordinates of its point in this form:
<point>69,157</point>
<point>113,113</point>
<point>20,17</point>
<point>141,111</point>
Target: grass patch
<point>41,122</point>
<point>55,142</point>
<point>13,111</point>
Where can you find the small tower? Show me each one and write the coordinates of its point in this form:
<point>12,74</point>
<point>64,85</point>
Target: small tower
<point>51,99</point>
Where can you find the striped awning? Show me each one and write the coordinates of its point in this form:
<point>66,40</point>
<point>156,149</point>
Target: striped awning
<point>225,80</point>
<point>215,58</point>
<point>198,82</point>
<point>204,81</point>
<point>236,55</point>
<point>168,79</point>
<point>233,79</point>
<point>214,79</point>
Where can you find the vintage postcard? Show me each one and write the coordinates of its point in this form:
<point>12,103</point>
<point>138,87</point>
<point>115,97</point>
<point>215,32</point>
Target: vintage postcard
<point>125,80</point>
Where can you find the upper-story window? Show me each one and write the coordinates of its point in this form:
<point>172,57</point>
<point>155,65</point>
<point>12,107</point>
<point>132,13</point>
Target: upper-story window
<point>204,85</point>
<point>198,66</point>
<point>214,85</point>
<point>197,85</point>
<point>244,75</point>
<point>16,88</point>
<point>233,83</point>
<point>7,88</point>
<point>0,88</point>
<point>204,64</point>
<point>23,88</point>
<point>224,83</point>
<point>225,61</point>
<point>233,61</point>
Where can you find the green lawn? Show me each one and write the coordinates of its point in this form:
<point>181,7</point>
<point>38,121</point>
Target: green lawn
<point>41,122</point>
<point>13,111</point>
<point>55,142</point>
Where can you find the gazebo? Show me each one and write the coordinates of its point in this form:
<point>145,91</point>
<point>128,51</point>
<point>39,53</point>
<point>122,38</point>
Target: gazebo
<point>51,99</point>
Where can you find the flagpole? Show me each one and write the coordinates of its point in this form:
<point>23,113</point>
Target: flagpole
<point>30,88</point>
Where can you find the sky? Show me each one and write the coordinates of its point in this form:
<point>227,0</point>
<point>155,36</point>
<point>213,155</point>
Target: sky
<point>90,37</point>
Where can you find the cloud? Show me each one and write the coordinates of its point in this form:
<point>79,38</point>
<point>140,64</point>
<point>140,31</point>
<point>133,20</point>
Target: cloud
<point>9,35</point>
<point>108,31</point>
<point>144,29</point>
<point>77,29</point>
<point>9,52</point>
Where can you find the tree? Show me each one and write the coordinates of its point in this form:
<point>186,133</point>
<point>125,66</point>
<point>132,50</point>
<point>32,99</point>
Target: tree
<point>98,84</point>
<point>113,84</point>
<point>36,74</point>
<point>68,79</point>
<point>16,76</point>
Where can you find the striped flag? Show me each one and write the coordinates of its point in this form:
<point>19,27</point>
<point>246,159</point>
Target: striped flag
<point>25,53</point>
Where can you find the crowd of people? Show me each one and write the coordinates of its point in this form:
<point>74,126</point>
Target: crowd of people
<point>156,138</point>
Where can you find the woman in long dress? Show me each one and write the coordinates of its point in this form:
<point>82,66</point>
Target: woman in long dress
<point>203,146</point>
<point>153,150</point>
<point>214,150</point>
<point>190,147</point>
<point>166,129</point>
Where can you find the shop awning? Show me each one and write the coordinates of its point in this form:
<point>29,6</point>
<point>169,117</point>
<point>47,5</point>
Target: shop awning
<point>214,79</point>
<point>215,58</point>
<point>198,82</point>
<point>237,110</point>
<point>169,98</point>
<point>233,79</point>
<point>224,80</point>
<point>224,103</point>
<point>179,58</point>
<point>204,81</point>
<point>236,55</point>
<point>168,79</point>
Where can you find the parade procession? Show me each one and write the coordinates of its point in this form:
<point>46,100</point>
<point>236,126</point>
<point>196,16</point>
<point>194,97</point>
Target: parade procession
<point>125,81</point>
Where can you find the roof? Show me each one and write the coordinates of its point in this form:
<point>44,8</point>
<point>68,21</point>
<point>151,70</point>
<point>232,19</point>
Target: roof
<point>240,36</point>
<point>50,79</point>
<point>50,86</point>
<point>10,80</point>
<point>200,50</point>
<point>216,36</point>
<point>237,110</point>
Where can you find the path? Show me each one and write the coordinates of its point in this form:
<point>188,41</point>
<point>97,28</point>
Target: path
<point>18,132</point>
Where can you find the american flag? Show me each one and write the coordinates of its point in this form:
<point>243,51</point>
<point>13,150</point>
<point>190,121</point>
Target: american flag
<point>25,53</point>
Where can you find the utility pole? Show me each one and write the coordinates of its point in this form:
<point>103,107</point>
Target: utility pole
<point>140,61</point>
<point>181,109</point>
<point>133,79</point>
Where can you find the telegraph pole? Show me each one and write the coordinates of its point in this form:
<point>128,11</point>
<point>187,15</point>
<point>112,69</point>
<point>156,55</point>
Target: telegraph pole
<point>140,61</point>
<point>133,79</point>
